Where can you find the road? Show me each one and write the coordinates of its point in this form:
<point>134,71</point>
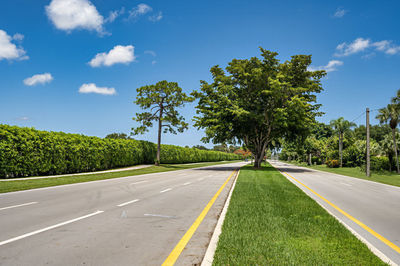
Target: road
<point>134,220</point>
<point>375,205</point>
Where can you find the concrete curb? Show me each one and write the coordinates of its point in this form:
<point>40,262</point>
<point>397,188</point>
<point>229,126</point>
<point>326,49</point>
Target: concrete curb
<point>209,256</point>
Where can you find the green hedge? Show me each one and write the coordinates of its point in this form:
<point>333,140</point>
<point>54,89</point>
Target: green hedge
<point>30,152</point>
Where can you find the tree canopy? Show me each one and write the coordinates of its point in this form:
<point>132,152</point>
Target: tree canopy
<point>161,100</point>
<point>259,100</point>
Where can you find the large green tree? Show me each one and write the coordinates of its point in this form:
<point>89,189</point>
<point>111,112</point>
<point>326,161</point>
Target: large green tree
<point>341,127</point>
<point>391,114</point>
<point>161,100</point>
<point>259,100</point>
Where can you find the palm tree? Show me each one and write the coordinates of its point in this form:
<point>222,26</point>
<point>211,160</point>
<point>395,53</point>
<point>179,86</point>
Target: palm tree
<point>386,147</point>
<point>341,126</point>
<point>391,114</point>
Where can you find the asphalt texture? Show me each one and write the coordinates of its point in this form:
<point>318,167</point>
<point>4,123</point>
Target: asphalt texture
<point>374,204</point>
<point>134,220</point>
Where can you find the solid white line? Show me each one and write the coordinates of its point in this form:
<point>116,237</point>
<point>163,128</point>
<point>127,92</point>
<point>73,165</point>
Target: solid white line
<point>165,190</point>
<point>128,202</point>
<point>48,228</point>
<point>134,183</point>
<point>20,205</point>
<point>187,183</point>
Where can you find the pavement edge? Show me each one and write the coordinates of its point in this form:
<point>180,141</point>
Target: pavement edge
<point>370,246</point>
<point>212,246</point>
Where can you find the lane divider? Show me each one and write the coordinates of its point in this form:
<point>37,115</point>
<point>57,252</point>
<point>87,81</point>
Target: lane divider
<point>48,228</point>
<point>20,205</point>
<point>165,190</point>
<point>365,227</point>
<point>128,202</point>
<point>173,256</point>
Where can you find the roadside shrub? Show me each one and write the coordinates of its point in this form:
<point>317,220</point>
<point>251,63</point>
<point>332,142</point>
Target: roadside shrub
<point>332,163</point>
<point>29,152</point>
<point>316,160</point>
<point>380,163</point>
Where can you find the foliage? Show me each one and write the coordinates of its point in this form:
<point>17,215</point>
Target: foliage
<point>162,100</point>
<point>258,101</point>
<point>332,163</point>
<point>117,136</point>
<point>29,152</point>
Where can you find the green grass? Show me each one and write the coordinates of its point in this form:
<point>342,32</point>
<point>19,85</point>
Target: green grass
<point>272,222</point>
<point>8,186</point>
<point>384,177</point>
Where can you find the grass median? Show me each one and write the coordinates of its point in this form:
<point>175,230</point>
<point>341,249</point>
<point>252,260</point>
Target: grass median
<point>17,185</point>
<point>272,222</point>
<point>385,177</point>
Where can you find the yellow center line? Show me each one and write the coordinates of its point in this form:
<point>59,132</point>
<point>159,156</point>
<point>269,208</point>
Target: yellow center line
<point>368,229</point>
<point>173,256</point>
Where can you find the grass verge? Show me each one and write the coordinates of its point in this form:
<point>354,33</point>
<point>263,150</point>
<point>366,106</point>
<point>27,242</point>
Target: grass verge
<point>272,222</point>
<point>384,177</point>
<point>17,185</point>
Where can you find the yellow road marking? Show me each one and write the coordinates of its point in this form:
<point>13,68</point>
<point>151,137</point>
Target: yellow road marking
<point>173,256</point>
<point>368,229</point>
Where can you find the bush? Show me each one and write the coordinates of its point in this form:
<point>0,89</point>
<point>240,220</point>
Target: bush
<point>332,163</point>
<point>379,163</point>
<point>28,152</point>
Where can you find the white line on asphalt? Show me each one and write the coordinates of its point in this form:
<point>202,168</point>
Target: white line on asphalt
<point>128,202</point>
<point>345,184</point>
<point>165,190</point>
<point>187,183</point>
<point>134,183</point>
<point>158,215</point>
<point>20,205</point>
<point>48,228</point>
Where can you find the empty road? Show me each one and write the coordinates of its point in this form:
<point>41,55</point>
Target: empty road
<point>371,209</point>
<point>134,220</point>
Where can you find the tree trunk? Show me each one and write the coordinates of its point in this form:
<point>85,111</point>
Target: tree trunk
<point>390,156</point>
<point>340,149</point>
<point>309,159</point>
<point>157,162</point>
<point>395,148</point>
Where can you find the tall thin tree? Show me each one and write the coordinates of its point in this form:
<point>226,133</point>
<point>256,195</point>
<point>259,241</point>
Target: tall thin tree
<point>341,126</point>
<point>161,100</point>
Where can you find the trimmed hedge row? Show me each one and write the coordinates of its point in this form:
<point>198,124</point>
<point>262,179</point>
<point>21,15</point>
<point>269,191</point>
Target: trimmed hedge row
<point>30,152</point>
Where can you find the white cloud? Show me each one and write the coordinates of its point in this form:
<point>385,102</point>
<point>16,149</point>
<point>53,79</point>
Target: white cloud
<point>361,45</point>
<point>114,14</point>
<point>153,62</point>
<point>9,50</point>
<point>340,12</point>
<point>356,46</point>
<point>331,66</point>
<point>119,54</point>
<point>139,10</point>
<point>75,14</point>
<point>18,37</point>
<point>38,79</point>
<point>92,88</point>
<point>150,53</point>
<point>156,17</point>
<point>23,118</point>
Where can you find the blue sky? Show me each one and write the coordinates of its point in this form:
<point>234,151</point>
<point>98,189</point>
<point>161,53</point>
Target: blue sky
<point>90,56</point>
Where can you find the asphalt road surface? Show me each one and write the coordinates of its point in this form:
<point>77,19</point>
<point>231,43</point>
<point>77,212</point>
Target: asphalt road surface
<point>375,205</point>
<point>134,220</point>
